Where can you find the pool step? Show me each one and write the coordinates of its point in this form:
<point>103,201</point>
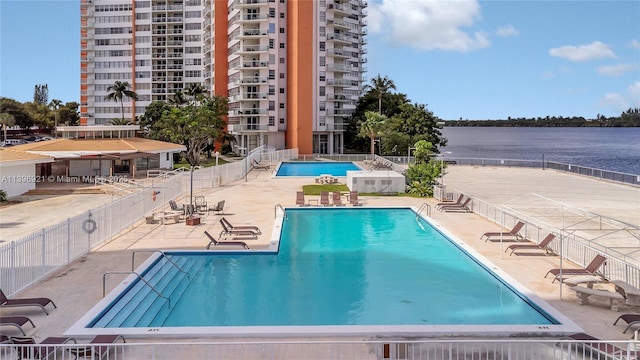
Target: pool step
<point>135,305</point>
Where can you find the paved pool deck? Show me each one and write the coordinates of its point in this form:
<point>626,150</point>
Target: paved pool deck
<point>78,287</point>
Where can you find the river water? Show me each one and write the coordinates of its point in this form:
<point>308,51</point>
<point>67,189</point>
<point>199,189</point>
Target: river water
<point>616,149</point>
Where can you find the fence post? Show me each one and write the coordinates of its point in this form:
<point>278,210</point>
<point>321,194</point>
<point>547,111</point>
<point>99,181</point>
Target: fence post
<point>44,257</point>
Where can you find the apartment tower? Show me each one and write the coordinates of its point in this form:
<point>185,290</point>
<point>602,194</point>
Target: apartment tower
<point>292,69</point>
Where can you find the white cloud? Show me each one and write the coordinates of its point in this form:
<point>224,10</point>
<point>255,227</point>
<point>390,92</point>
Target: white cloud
<point>616,70</point>
<point>595,50</point>
<point>428,24</point>
<point>634,44</point>
<point>622,102</point>
<point>506,31</point>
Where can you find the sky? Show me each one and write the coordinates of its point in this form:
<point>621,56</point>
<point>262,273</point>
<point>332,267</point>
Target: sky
<point>464,59</point>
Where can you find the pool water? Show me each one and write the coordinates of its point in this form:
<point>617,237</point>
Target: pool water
<point>375,266</point>
<point>315,168</point>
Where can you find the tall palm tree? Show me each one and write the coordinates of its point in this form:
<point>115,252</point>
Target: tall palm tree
<point>380,86</point>
<point>55,105</point>
<point>119,90</point>
<point>6,120</point>
<point>371,127</point>
<point>195,90</point>
<point>178,98</point>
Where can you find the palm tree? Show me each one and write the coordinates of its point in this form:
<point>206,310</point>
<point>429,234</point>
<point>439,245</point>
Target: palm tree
<point>195,90</point>
<point>178,98</point>
<point>380,86</point>
<point>119,90</point>
<point>55,105</point>
<point>371,127</point>
<point>6,120</point>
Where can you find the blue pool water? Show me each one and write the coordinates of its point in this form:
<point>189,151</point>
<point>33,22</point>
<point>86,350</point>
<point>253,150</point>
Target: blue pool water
<point>380,266</point>
<point>315,168</point>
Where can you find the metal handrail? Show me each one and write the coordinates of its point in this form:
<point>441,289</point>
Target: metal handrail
<point>133,260</point>
<point>104,283</point>
<point>422,207</point>
<point>275,210</point>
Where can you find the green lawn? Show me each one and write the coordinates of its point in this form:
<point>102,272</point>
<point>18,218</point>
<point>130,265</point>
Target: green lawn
<point>205,163</point>
<point>316,189</point>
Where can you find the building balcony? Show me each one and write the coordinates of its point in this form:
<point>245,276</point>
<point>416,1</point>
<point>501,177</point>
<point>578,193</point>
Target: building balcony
<point>339,8</point>
<point>339,38</point>
<point>248,96</point>
<point>340,97</point>
<point>249,80</point>
<point>247,112</point>
<point>340,68</point>
<point>249,3</point>
<point>252,33</point>
<point>253,17</point>
<point>252,49</point>
<point>341,82</point>
<point>240,128</point>
<point>336,127</point>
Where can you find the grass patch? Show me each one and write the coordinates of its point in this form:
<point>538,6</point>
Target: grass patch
<point>316,189</point>
<point>205,163</point>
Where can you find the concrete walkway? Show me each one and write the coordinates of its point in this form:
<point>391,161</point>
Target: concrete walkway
<point>78,287</point>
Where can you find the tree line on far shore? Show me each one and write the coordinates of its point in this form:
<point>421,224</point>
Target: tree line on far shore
<point>628,118</point>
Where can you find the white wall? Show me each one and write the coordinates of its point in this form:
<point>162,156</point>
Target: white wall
<point>164,163</point>
<point>18,179</point>
<point>376,181</point>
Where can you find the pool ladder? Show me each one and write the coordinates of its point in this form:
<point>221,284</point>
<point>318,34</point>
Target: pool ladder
<point>104,283</point>
<point>275,211</point>
<point>133,260</point>
<point>423,207</point>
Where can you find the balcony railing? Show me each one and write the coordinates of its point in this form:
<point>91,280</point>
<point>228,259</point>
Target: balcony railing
<point>248,127</point>
<point>247,112</point>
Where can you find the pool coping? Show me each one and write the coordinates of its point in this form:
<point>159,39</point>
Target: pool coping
<point>566,326</point>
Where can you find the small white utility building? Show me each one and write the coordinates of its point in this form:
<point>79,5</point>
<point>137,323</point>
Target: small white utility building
<point>376,181</point>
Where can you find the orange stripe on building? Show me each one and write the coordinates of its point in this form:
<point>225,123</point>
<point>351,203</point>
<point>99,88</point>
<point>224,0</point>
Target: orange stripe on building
<point>300,72</point>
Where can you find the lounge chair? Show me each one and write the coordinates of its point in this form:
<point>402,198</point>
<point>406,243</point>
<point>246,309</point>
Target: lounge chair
<point>464,207</point>
<point>300,198</point>
<point>446,203</point>
<point>257,165</point>
<point>590,269</point>
<point>177,208</point>
<point>630,319</point>
<point>353,199</point>
<point>214,242</point>
<point>243,233</point>
<point>600,349</point>
<point>16,321</point>
<point>337,198</point>
<point>39,352</point>
<point>324,198</point>
<point>218,208</point>
<point>255,229</point>
<point>39,302</point>
<point>511,233</point>
<point>100,348</point>
<point>543,245</point>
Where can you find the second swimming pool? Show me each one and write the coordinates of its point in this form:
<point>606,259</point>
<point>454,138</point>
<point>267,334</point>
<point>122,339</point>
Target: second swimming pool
<point>335,267</point>
<point>315,168</point>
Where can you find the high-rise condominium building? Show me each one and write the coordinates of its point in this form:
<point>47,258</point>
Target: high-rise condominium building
<point>292,69</point>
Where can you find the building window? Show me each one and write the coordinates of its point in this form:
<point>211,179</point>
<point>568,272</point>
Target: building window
<point>322,91</point>
<point>272,28</point>
<point>281,120</point>
<point>323,76</point>
<point>323,46</point>
<point>281,60</point>
<point>272,12</point>
<point>323,61</point>
<point>281,90</point>
<point>272,74</point>
<point>272,43</point>
<point>281,75</point>
<point>322,31</point>
<point>272,105</point>
<point>272,89</point>
<point>322,121</point>
<point>281,105</point>
<point>323,106</point>
<point>281,30</point>
<point>281,15</point>
<point>272,120</point>
<point>281,45</point>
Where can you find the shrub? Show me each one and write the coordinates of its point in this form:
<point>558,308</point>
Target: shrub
<point>3,195</point>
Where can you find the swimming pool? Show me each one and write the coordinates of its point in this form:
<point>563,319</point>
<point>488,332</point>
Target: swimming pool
<point>337,271</point>
<point>315,168</point>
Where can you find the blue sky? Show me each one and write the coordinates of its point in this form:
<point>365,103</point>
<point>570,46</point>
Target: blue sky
<point>464,59</point>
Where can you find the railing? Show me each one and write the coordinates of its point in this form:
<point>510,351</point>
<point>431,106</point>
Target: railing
<point>542,349</point>
<point>598,173</point>
<point>423,207</point>
<point>164,256</point>
<point>275,210</point>
<point>104,283</point>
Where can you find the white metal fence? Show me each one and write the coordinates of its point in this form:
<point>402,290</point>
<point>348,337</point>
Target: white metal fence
<point>31,258</point>
<point>451,349</point>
